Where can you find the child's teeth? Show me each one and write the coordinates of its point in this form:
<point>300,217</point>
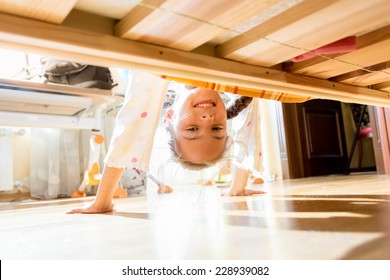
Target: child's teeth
<point>205,105</point>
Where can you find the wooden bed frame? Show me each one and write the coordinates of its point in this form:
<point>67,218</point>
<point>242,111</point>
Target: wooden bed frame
<point>178,38</point>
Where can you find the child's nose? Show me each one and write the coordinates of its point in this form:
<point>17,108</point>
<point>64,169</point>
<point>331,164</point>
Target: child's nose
<point>207,116</point>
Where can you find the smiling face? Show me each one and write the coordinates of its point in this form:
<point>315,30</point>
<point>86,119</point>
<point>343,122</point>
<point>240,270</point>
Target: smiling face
<point>199,126</point>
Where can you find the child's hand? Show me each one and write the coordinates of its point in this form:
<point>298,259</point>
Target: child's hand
<point>242,192</point>
<point>90,208</point>
<point>238,186</point>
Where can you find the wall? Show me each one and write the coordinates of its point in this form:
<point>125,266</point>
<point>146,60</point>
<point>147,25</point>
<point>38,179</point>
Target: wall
<point>21,153</point>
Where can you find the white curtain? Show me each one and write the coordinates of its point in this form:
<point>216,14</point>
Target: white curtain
<point>59,158</point>
<point>56,162</point>
<point>270,139</point>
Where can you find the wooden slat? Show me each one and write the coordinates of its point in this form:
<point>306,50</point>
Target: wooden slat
<point>366,78</point>
<point>186,24</point>
<point>245,46</point>
<point>54,11</point>
<point>92,22</point>
<point>131,25</point>
<point>105,50</point>
<point>116,9</point>
<point>383,86</point>
<point>307,26</point>
<point>372,48</point>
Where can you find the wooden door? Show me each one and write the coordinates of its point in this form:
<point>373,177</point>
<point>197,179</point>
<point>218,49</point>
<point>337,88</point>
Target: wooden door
<point>315,138</point>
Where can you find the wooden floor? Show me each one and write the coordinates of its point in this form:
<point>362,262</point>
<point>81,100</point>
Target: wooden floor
<point>333,217</point>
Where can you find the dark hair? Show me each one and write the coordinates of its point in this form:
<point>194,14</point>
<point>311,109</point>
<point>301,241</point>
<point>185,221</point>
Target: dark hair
<point>239,104</point>
<point>232,111</point>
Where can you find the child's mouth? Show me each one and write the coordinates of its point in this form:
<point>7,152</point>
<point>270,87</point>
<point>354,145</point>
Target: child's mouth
<point>205,104</point>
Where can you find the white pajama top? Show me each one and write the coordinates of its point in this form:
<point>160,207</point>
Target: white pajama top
<point>247,138</point>
<point>136,122</point>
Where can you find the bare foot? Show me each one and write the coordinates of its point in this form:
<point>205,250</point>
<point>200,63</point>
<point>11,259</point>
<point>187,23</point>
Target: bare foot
<point>90,208</point>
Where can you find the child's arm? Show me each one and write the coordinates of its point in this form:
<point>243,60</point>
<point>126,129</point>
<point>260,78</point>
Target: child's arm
<point>238,186</point>
<point>103,200</point>
<point>132,138</point>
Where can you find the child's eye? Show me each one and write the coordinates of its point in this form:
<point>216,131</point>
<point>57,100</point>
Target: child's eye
<point>192,129</point>
<point>217,128</point>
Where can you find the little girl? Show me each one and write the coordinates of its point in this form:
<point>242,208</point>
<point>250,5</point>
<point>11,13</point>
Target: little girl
<point>197,124</point>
